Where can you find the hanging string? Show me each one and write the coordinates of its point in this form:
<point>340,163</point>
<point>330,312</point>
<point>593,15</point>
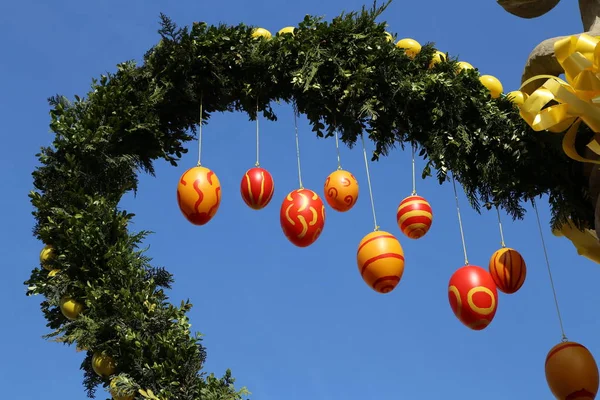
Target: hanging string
<point>369,182</point>
<point>501,230</point>
<point>460,225</point>
<point>560,322</point>
<point>257,136</point>
<point>414,178</point>
<point>200,134</point>
<point>297,145</point>
<point>337,147</point>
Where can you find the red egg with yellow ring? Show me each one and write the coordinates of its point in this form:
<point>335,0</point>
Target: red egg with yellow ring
<point>380,260</point>
<point>341,190</point>
<point>473,296</point>
<point>302,217</point>
<point>199,195</point>
<point>257,188</point>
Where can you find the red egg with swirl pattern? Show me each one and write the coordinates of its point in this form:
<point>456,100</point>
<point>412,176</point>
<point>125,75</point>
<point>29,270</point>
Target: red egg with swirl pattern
<point>473,296</point>
<point>341,190</point>
<point>199,195</point>
<point>257,188</point>
<point>302,217</point>
<point>414,216</point>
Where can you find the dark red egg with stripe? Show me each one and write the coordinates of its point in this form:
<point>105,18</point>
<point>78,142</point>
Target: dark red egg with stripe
<point>572,372</point>
<point>508,270</point>
<point>473,296</point>
<point>257,188</point>
<point>380,260</point>
<point>414,216</point>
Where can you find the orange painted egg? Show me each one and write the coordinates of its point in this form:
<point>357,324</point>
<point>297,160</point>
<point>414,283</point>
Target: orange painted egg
<point>199,195</point>
<point>302,217</point>
<point>571,372</point>
<point>508,270</point>
<point>380,260</point>
<point>473,296</point>
<point>257,188</point>
<point>341,190</point>
<point>414,216</point>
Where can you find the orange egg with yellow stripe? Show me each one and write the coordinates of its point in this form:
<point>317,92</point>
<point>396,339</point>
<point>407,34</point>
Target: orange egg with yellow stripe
<point>341,190</point>
<point>473,296</point>
<point>508,270</point>
<point>302,217</point>
<point>199,195</point>
<point>380,260</point>
<point>414,216</point>
<point>257,188</point>
<point>572,372</point>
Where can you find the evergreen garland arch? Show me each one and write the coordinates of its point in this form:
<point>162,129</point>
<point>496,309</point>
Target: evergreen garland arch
<point>344,76</point>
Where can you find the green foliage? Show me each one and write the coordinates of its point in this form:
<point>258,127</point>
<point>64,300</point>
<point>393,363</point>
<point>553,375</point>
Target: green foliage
<point>342,75</point>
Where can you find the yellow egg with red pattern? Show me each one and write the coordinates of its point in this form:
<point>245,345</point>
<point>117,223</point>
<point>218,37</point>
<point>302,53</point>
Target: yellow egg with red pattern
<point>341,190</point>
<point>380,260</point>
<point>257,188</point>
<point>199,195</point>
<point>302,217</point>
<point>473,296</point>
<point>508,270</point>
<point>414,216</point>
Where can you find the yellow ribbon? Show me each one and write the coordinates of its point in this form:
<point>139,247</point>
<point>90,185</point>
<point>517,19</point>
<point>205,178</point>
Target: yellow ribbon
<point>578,98</point>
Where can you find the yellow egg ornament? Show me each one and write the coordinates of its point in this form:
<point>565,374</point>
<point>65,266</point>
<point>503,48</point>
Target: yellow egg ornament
<point>103,365</point>
<point>287,30</point>
<point>114,391</point>
<point>463,66</point>
<point>53,273</point>
<point>437,58</point>
<point>411,47</point>
<point>70,308</point>
<point>389,37</point>
<point>261,32</point>
<point>492,84</point>
<point>517,97</point>
<point>46,255</point>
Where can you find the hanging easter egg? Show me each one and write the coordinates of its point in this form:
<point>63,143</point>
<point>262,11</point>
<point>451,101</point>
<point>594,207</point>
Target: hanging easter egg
<point>380,260</point>
<point>437,58</point>
<point>571,372</point>
<point>414,216</point>
<point>517,97</point>
<point>257,188</point>
<point>287,30</point>
<point>411,47</point>
<point>492,84</point>
<point>463,66</point>
<point>199,195</point>
<point>302,217</point>
<point>261,33</point>
<point>508,270</point>
<point>70,308</point>
<point>341,190</point>
<point>46,255</point>
<point>473,296</point>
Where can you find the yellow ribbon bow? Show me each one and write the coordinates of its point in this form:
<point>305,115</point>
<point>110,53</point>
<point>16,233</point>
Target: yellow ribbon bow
<point>578,99</point>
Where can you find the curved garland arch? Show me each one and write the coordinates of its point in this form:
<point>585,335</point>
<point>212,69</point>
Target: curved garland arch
<point>344,76</point>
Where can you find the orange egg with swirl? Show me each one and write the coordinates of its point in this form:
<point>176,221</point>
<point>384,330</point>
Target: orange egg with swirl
<point>508,270</point>
<point>341,190</point>
<point>380,260</point>
<point>414,216</point>
<point>572,372</point>
<point>473,296</point>
<point>302,217</point>
<point>199,195</point>
<point>257,188</point>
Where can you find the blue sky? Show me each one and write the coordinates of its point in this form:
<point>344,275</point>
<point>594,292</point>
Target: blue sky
<point>291,323</point>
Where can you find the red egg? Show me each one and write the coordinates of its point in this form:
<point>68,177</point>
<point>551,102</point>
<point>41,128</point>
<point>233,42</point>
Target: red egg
<point>473,296</point>
<point>414,216</point>
<point>199,195</point>
<point>257,188</point>
<point>302,217</point>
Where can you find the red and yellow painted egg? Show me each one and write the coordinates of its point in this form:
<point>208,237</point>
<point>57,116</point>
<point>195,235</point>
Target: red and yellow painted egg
<point>508,270</point>
<point>380,260</point>
<point>302,217</point>
<point>199,195</point>
<point>571,372</point>
<point>257,188</point>
<point>341,190</point>
<point>473,296</point>
<point>414,216</point>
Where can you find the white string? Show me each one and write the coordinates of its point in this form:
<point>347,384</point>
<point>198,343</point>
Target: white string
<point>337,147</point>
<point>297,146</point>
<point>460,225</point>
<point>414,179</point>
<point>501,230</point>
<point>369,182</point>
<point>257,137</point>
<point>200,135</point>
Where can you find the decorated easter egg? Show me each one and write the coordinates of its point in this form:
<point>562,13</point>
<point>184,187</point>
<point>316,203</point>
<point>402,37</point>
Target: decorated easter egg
<point>508,270</point>
<point>380,260</point>
<point>411,47</point>
<point>492,84</point>
<point>341,190</point>
<point>473,296</point>
<point>199,195</point>
<point>571,372</point>
<point>257,188</point>
<point>414,216</point>
<point>302,217</point>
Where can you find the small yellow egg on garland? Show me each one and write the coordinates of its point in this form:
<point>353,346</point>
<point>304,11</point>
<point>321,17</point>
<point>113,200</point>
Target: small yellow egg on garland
<point>517,97</point>
<point>341,187</point>
<point>261,33</point>
<point>411,47</point>
<point>46,255</point>
<point>103,365</point>
<point>70,308</point>
<point>199,189</point>
<point>288,30</point>
<point>463,66</point>
<point>437,58</point>
<point>388,37</point>
<point>492,84</point>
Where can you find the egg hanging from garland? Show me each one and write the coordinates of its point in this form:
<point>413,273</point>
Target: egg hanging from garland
<point>380,260</point>
<point>437,58</point>
<point>302,217</point>
<point>46,255</point>
<point>341,190</point>
<point>103,365</point>
<point>473,296</point>
<point>70,308</point>
<point>257,188</point>
<point>261,33</point>
<point>288,30</point>
<point>492,84</point>
<point>463,66</point>
<point>414,216</point>
<point>411,47</point>
<point>199,195</point>
<point>572,372</point>
<point>508,270</point>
